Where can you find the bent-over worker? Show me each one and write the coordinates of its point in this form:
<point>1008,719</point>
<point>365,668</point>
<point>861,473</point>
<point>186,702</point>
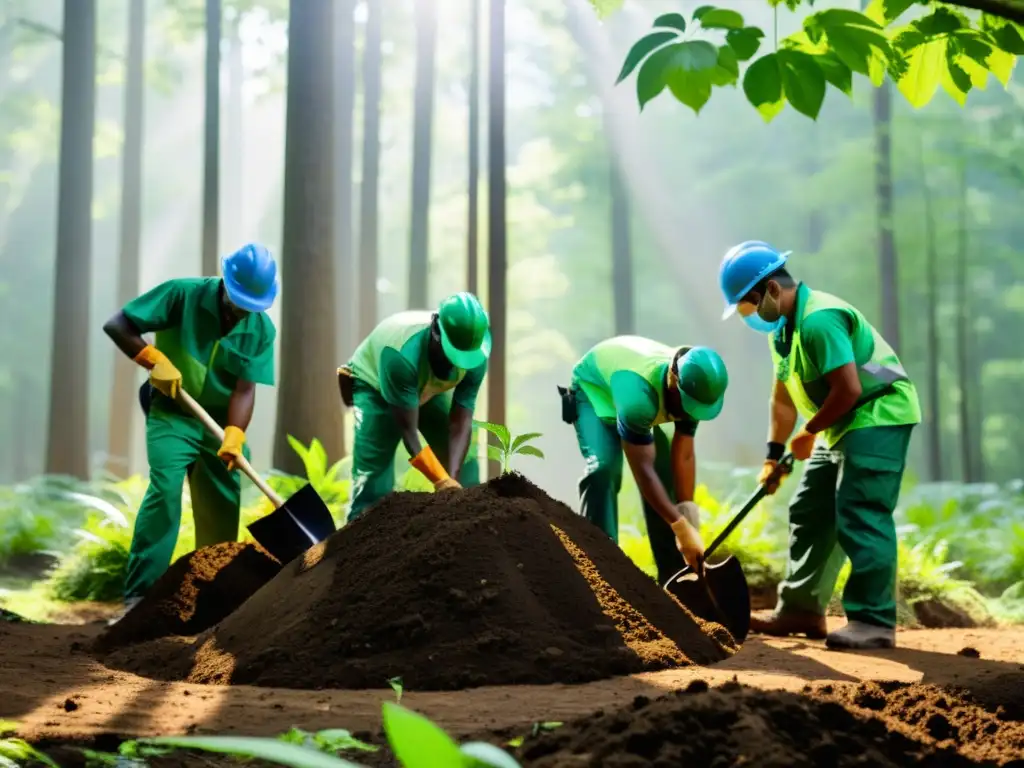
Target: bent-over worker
<point>837,372</point>
<point>622,391</point>
<point>214,340</point>
<point>417,371</point>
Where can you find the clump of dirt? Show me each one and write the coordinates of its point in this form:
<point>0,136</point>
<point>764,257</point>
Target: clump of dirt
<point>947,716</point>
<point>194,594</point>
<point>736,725</point>
<point>497,584</point>
<point>969,653</point>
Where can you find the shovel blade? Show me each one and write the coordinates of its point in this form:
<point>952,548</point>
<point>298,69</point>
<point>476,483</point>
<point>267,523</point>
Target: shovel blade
<point>722,596</point>
<point>303,521</point>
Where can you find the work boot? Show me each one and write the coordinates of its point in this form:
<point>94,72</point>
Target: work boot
<point>129,603</point>
<point>858,635</point>
<point>790,623</point>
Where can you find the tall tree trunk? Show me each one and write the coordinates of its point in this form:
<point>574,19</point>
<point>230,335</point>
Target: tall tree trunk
<point>234,167</point>
<point>497,238</point>
<point>423,121</point>
<point>368,190</point>
<point>888,270</point>
<point>932,352</point>
<point>308,405</point>
<point>122,410</point>
<point>344,242</point>
<point>962,333</point>
<point>211,140</point>
<point>472,228</point>
<point>67,439</point>
<point>622,255</point>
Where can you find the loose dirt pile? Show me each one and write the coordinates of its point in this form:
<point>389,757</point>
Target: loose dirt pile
<point>195,593</point>
<point>498,584</point>
<point>879,725</point>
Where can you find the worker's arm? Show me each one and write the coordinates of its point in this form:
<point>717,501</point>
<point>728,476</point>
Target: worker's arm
<point>684,462</point>
<point>125,334</point>
<point>782,417</point>
<point>408,420</point>
<point>241,404</point>
<point>641,462</point>
<point>460,420</point>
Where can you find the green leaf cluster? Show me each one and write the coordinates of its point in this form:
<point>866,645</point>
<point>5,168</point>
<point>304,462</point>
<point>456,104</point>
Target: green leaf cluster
<point>940,48</point>
<point>508,447</point>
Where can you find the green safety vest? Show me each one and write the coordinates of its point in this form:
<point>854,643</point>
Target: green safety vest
<point>395,333</point>
<point>647,358</point>
<point>888,397</point>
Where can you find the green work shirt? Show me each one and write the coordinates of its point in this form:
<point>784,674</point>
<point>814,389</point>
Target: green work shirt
<point>186,318</point>
<point>394,360</point>
<point>830,334</point>
<point>624,378</point>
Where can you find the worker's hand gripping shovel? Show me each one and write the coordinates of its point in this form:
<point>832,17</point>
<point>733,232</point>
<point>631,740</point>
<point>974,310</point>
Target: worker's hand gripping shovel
<point>718,592</point>
<point>295,525</point>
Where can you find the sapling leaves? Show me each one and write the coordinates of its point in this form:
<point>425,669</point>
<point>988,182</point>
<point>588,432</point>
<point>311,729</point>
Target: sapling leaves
<point>417,742</point>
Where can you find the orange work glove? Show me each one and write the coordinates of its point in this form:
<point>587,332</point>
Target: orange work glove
<point>802,445</point>
<point>428,465</point>
<point>231,448</point>
<point>447,484</point>
<point>689,543</point>
<point>164,377</point>
<point>766,472</point>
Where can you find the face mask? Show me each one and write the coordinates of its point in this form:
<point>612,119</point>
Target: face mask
<point>757,323</point>
<point>768,317</point>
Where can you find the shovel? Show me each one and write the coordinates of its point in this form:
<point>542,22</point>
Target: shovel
<point>295,525</point>
<point>720,594</point>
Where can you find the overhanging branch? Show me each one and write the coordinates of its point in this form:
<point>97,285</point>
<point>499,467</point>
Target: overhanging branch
<point>1012,10</point>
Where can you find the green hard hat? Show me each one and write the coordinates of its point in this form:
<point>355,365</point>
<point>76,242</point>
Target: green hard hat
<point>702,382</point>
<point>465,330</point>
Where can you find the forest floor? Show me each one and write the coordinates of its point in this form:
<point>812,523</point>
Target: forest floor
<point>58,693</point>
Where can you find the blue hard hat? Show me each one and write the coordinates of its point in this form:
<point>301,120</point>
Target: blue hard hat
<point>743,267</point>
<point>250,278</point>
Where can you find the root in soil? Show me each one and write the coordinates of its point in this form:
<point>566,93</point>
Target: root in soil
<point>497,584</point>
<point>893,724</point>
<point>194,594</point>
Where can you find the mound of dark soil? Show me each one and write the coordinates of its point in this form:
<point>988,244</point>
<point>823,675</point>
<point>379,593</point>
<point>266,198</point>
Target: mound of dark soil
<point>194,594</point>
<point>497,584</point>
<point>735,725</point>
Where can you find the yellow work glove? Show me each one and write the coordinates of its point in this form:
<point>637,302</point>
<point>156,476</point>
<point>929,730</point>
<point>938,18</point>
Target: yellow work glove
<point>231,448</point>
<point>802,445</point>
<point>428,465</point>
<point>765,473</point>
<point>447,484</point>
<point>164,377</point>
<point>689,543</point>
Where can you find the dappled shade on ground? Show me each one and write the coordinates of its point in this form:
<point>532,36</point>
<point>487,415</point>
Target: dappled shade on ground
<point>492,585</point>
<point>887,724</point>
<point>194,594</point>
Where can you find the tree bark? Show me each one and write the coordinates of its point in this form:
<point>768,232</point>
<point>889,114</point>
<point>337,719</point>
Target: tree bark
<point>622,255</point>
<point>67,439</point>
<point>122,405</point>
<point>962,333</point>
<point>423,121</point>
<point>934,421</point>
<point>308,404</point>
<point>211,141</point>
<point>368,191</point>
<point>234,167</point>
<point>497,242</point>
<point>472,228</point>
<point>344,241</point>
<point>888,269</point>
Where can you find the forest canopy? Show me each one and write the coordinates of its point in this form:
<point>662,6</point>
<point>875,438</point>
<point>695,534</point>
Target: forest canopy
<point>943,46</point>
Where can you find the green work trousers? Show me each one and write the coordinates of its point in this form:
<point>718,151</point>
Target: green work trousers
<point>376,436</point>
<point>601,447</point>
<point>179,446</point>
<point>843,508</point>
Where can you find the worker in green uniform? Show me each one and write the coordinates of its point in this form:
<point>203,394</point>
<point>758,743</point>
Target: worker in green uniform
<point>416,371</point>
<point>622,391</point>
<point>833,369</point>
<point>213,339</point>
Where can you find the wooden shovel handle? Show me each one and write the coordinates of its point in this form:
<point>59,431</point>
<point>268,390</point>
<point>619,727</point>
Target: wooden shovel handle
<point>241,462</point>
